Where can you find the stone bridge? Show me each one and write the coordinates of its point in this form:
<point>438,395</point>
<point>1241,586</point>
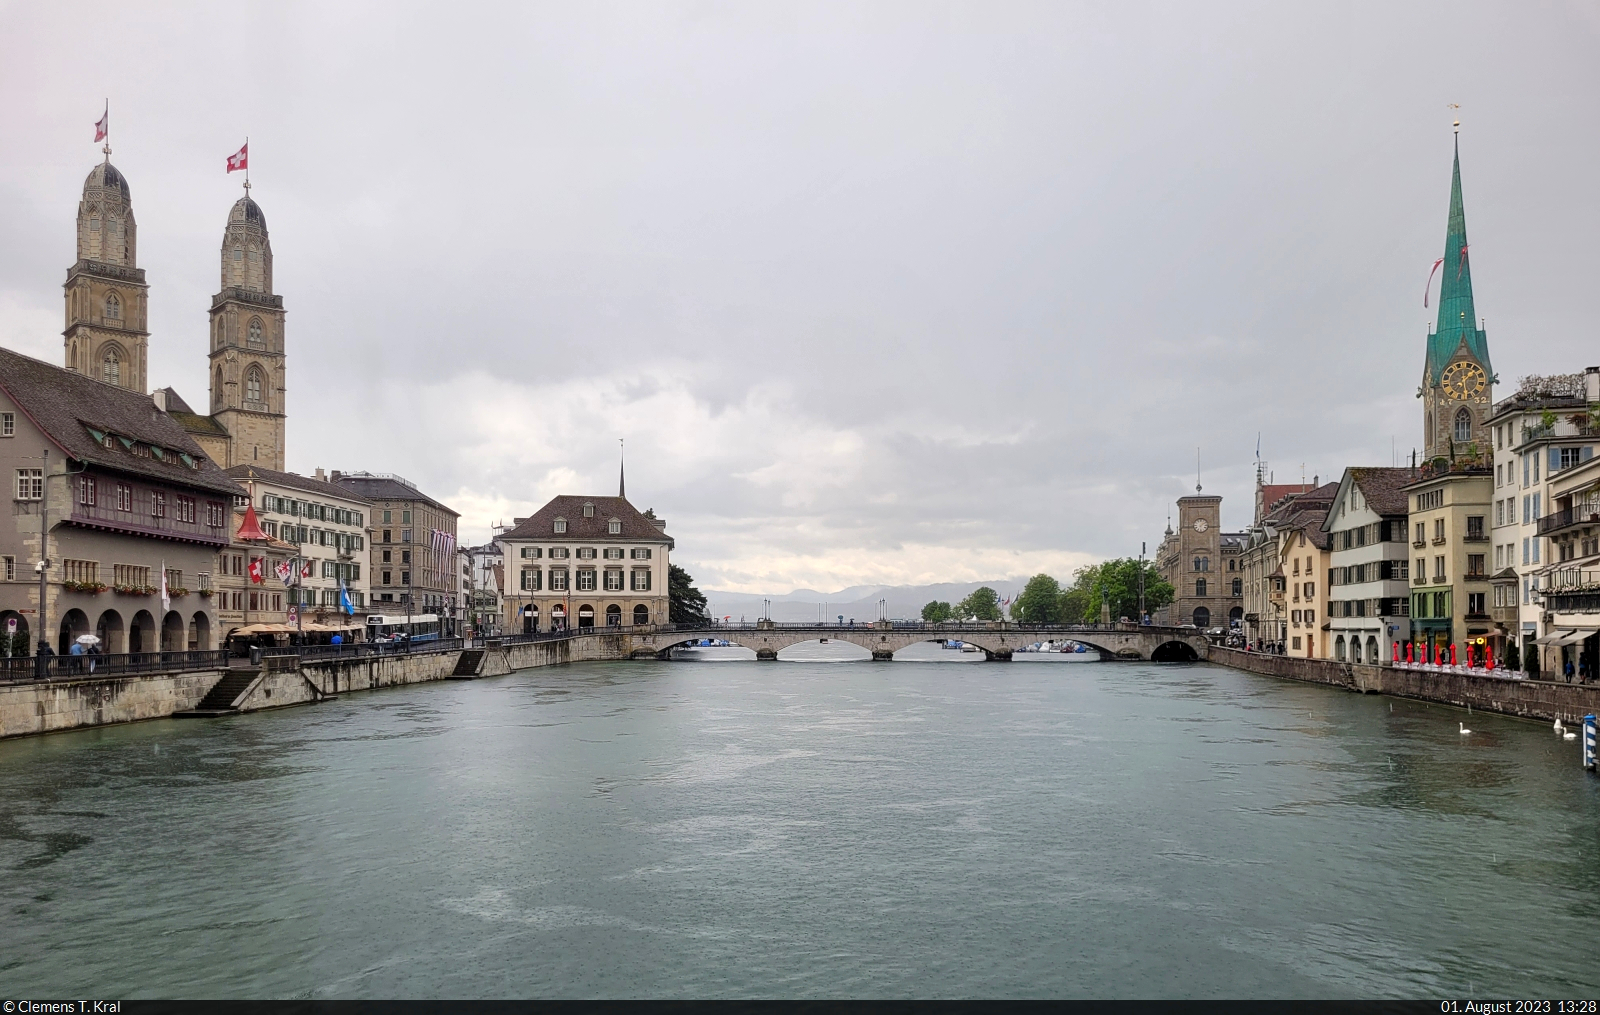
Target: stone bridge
<point>997,641</point>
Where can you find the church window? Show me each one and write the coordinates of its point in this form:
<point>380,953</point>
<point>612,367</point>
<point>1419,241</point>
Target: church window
<point>1463,425</point>
<point>94,225</point>
<point>113,307</point>
<point>238,254</point>
<point>111,367</point>
<point>255,331</point>
<point>252,386</point>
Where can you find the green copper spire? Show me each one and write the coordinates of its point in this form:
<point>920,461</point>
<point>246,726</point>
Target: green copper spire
<point>1458,321</point>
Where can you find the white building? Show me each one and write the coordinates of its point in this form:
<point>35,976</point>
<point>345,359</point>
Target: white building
<point>1369,566</point>
<point>1542,431</point>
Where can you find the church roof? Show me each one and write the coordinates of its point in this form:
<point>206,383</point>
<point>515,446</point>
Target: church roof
<point>106,176</point>
<point>246,210</point>
<point>67,406</point>
<point>1458,320</point>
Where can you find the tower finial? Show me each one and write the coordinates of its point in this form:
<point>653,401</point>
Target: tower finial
<point>1196,470</point>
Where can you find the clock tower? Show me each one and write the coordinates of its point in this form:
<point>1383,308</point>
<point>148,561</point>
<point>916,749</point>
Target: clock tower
<point>1457,389</point>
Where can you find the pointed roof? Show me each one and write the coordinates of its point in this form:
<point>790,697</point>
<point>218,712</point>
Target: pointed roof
<point>1458,321</point>
<point>250,528</point>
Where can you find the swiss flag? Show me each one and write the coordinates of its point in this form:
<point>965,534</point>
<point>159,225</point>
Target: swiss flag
<point>103,128</point>
<point>240,159</point>
<point>308,569</point>
<point>257,570</point>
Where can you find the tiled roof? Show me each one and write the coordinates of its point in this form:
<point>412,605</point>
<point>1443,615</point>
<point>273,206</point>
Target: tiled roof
<point>174,400</point>
<point>1309,519</point>
<point>376,488</point>
<point>1384,488</point>
<point>195,423</point>
<point>635,526</point>
<point>65,404</point>
<point>305,484</point>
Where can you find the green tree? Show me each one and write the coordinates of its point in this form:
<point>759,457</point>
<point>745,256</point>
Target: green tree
<point>982,604</point>
<point>1117,582</point>
<point>937,612</point>
<point>685,603</point>
<point>1040,601</point>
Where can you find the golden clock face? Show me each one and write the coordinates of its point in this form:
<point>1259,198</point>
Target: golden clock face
<point>1462,381</point>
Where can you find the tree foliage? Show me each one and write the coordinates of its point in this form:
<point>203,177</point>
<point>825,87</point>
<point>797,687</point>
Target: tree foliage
<point>685,603</point>
<point>1039,602</point>
<point>1117,582</point>
<point>937,612</point>
<point>982,604</point>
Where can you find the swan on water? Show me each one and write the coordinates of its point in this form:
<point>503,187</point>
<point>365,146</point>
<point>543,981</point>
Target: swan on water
<point>1569,735</point>
<point>1558,727</point>
<point>1464,730</point>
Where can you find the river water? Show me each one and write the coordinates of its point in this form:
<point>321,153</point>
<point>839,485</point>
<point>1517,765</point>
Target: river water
<point>738,829</point>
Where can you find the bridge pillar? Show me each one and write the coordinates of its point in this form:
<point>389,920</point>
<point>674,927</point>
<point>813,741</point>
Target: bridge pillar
<point>1002,656</point>
<point>882,655</point>
<point>766,655</point>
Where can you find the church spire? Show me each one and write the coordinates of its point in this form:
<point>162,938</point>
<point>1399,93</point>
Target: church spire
<point>622,468</point>
<point>1458,321</point>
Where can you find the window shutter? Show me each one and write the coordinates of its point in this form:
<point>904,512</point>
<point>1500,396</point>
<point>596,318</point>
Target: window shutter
<point>1588,453</point>
<point>1555,460</point>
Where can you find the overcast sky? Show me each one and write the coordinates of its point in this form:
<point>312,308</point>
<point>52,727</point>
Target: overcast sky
<point>879,292</point>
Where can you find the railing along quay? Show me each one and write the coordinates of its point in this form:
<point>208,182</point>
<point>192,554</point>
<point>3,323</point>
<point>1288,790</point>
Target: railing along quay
<point>110,665</point>
<point>362,649</point>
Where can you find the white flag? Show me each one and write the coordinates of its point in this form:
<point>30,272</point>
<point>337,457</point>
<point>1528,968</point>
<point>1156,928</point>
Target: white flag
<point>166,595</point>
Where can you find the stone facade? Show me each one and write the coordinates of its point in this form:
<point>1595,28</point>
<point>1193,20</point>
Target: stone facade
<point>404,561</point>
<point>1202,564</point>
<point>107,300</point>
<point>247,367</point>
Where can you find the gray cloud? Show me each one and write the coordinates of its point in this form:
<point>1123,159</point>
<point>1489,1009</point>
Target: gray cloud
<point>889,294</point>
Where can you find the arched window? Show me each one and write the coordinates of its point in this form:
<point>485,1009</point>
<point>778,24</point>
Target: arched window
<point>216,389</point>
<point>1463,425</point>
<point>255,331</point>
<point>1199,586</point>
<point>1202,617</point>
<point>252,385</point>
<point>111,367</point>
<point>1355,650</point>
<point>1238,586</point>
<point>1338,648</point>
<point>113,307</point>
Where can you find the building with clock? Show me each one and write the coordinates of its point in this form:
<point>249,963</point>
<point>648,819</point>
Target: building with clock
<point>1201,563</point>
<point>1457,378</point>
<point>1450,500</point>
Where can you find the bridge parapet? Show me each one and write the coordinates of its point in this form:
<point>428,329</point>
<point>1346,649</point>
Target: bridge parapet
<point>997,640</point>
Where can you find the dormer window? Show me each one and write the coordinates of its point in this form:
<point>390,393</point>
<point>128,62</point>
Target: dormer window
<point>561,526</point>
<point>614,526</point>
<point>588,511</point>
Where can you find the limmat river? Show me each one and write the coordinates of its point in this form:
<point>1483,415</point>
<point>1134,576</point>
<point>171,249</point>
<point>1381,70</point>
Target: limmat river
<point>744,829</point>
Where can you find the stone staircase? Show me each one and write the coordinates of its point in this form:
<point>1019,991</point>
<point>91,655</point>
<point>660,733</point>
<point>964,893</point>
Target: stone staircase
<point>222,698</point>
<point>468,664</point>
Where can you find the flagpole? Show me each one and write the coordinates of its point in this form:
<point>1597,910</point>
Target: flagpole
<point>106,117</point>
<point>247,163</point>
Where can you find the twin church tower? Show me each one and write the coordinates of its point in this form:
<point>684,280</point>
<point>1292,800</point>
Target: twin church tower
<point>107,334</point>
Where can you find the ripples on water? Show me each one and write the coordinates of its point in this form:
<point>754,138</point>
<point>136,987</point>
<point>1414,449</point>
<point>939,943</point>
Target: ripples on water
<point>799,829</point>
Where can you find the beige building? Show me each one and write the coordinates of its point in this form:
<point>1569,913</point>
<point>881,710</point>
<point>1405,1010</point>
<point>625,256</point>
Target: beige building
<point>1449,522</point>
<point>582,562</point>
<point>312,525</point>
<point>1569,586</point>
<point>412,559</point>
<point>1369,566</point>
<point>107,300</point>
<point>1303,564</point>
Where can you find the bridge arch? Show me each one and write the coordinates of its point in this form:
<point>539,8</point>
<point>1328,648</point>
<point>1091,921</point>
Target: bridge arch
<point>1174,652</point>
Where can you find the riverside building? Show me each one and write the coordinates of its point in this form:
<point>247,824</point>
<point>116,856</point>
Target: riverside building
<point>413,546</point>
<point>1369,565</point>
<point>581,562</point>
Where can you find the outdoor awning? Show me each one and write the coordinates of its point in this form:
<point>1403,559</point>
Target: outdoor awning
<point>266,629</point>
<point>1565,637</point>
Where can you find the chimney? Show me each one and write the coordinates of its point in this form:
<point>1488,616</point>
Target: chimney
<point>1591,384</point>
<point>1314,481</point>
<point>659,523</point>
<point>517,521</point>
<point>159,396</point>
<point>335,475</point>
<point>320,477</point>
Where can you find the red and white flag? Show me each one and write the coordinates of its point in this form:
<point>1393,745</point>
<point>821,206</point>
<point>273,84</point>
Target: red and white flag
<point>103,128</point>
<point>285,572</point>
<point>240,159</point>
<point>308,569</point>
<point>256,570</point>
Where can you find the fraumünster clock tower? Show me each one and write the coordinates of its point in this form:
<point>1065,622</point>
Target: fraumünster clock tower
<point>1457,380</point>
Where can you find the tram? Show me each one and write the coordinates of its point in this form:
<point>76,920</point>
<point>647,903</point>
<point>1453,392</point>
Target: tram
<point>399,627</point>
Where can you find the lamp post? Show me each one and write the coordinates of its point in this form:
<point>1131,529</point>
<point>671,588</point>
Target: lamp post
<point>1141,582</point>
<point>43,567</point>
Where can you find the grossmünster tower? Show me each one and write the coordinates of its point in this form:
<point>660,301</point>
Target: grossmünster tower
<point>106,296</point>
<point>1457,380</point>
<point>247,354</point>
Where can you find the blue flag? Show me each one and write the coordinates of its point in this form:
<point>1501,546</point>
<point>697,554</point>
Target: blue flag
<point>344,601</point>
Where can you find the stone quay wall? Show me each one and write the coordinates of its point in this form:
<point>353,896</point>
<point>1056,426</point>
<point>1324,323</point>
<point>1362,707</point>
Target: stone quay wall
<point>27,707</point>
<point>1530,699</point>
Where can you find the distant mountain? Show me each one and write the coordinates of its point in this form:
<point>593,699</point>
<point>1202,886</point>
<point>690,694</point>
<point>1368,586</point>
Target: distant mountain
<point>858,602</point>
